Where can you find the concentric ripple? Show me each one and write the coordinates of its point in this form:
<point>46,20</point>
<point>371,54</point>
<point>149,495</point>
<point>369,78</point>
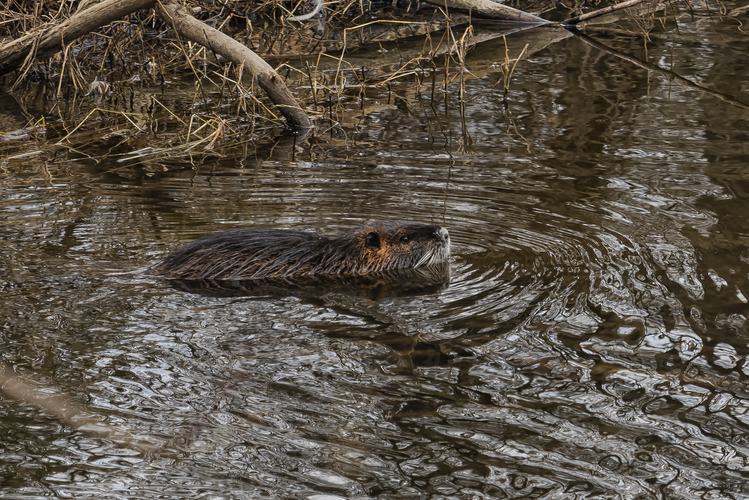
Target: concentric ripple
<point>591,343</point>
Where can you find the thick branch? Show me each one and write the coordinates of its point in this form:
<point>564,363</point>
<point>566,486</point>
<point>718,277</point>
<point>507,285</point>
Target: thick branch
<point>318,7</point>
<point>51,38</point>
<point>600,12</point>
<point>492,10</point>
<point>192,29</point>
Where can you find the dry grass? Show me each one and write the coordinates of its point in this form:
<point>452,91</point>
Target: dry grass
<point>121,91</point>
<point>105,86</point>
<point>120,84</point>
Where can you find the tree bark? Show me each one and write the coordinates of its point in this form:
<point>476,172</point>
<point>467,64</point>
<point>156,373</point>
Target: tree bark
<point>492,10</point>
<point>47,40</point>
<point>226,46</point>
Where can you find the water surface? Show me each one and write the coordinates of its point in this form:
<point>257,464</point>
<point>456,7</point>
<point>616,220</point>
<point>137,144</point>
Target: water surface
<point>592,342</point>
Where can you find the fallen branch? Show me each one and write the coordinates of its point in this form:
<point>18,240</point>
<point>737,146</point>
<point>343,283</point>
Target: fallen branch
<point>47,40</point>
<point>304,17</point>
<point>224,45</point>
<point>601,12</point>
<point>492,10</point>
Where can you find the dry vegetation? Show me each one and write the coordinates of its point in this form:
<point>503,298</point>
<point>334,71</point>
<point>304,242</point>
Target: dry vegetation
<point>135,90</point>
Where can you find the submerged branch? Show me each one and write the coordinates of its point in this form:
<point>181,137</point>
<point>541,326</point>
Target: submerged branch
<point>19,388</point>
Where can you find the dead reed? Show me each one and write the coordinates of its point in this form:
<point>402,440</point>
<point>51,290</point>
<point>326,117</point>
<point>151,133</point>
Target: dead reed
<point>134,89</point>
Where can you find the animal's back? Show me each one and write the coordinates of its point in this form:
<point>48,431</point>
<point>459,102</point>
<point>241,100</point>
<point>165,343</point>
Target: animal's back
<point>254,253</point>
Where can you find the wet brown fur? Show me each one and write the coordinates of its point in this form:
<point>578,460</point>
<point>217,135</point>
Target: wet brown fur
<point>280,253</point>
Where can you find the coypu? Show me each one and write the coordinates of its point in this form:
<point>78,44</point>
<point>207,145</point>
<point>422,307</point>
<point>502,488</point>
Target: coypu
<point>258,254</point>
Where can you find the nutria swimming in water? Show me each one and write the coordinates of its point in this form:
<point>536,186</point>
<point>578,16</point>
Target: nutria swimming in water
<point>240,254</point>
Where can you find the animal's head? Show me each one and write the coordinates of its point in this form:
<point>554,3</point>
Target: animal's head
<point>383,246</point>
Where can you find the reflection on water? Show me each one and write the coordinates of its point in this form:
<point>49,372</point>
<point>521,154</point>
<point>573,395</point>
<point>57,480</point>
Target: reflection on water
<point>375,286</point>
<point>592,341</point>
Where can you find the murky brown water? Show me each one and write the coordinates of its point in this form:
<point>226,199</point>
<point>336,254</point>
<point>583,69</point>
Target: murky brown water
<point>592,342</point>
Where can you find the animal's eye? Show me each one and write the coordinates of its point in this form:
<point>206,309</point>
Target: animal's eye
<point>405,239</point>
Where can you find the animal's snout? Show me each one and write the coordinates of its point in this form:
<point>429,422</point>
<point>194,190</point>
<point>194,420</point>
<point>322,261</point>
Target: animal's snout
<point>442,235</point>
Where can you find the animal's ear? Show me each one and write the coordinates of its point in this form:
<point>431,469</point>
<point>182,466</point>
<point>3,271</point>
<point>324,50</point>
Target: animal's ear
<point>373,240</point>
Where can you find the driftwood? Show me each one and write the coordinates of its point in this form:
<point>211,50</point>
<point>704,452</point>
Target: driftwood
<point>224,45</point>
<point>601,12</point>
<point>48,40</point>
<point>492,10</point>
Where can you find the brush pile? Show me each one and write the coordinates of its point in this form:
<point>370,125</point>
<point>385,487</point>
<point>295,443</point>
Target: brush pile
<point>155,79</point>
